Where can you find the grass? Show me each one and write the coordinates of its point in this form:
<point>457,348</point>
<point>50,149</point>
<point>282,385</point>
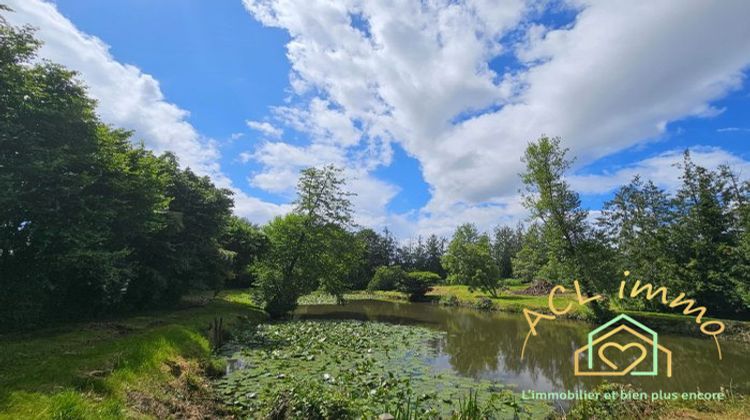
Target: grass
<point>119,368</point>
<point>510,302</point>
<point>734,407</point>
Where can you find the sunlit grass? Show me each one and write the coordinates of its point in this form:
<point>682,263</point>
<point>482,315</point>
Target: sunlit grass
<point>87,370</point>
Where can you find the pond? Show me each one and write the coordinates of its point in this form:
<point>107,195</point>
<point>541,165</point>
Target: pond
<point>487,346</point>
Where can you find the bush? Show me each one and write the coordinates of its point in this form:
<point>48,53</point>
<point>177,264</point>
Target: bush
<point>450,300</point>
<point>417,283</point>
<point>386,278</point>
<point>278,296</point>
<point>484,304</point>
<point>615,409</point>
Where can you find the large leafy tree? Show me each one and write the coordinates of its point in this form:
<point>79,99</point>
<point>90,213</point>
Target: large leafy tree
<point>533,259</point>
<point>551,201</point>
<point>311,247</point>
<point>468,260</point>
<point>77,197</point>
<point>89,222</point>
<point>244,243</point>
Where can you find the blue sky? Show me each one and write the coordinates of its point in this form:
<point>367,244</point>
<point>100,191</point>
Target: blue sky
<point>429,114</point>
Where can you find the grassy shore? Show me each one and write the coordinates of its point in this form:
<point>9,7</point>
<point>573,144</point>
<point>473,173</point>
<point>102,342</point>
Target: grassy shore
<point>152,365</point>
<point>509,301</point>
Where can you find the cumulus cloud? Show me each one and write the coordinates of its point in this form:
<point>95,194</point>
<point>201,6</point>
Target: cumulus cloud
<point>661,169</point>
<point>265,128</point>
<point>419,73</point>
<point>131,99</point>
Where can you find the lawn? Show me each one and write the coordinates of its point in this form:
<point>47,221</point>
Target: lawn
<point>153,363</point>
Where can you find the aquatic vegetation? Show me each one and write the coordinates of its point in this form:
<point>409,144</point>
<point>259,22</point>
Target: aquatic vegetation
<point>340,369</point>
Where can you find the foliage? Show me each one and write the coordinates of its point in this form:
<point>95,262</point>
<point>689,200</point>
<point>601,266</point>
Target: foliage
<point>106,225</point>
<point>573,249</point>
<point>468,260</point>
<point>484,304</point>
<point>423,255</point>
<point>309,248</point>
<point>246,243</point>
<point>449,300</point>
<point>379,250</point>
<point>616,408</point>
<point>416,283</point>
<point>506,245</point>
<point>534,259</point>
<point>310,400</point>
<point>363,369</point>
<point>387,278</point>
<point>692,241</point>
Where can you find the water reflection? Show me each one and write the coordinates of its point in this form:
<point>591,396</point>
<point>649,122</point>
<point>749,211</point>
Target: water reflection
<point>488,345</point>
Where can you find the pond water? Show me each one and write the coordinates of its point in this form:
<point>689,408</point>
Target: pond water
<point>487,345</point>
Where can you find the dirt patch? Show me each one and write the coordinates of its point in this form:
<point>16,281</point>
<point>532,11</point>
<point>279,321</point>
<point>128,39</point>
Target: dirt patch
<point>538,288</point>
<point>187,396</point>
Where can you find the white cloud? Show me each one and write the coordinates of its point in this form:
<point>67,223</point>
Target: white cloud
<point>131,99</point>
<point>731,129</point>
<point>612,79</point>
<point>265,128</point>
<point>660,169</point>
<point>236,136</point>
<point>127,97</point>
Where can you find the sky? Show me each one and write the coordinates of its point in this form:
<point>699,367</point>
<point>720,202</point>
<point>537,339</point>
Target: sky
<point>426,105</point>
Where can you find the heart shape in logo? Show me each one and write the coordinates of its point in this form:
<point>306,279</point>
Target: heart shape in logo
<point>623,349</point>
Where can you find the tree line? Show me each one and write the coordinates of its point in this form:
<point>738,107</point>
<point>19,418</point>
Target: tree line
<point>92,223</point>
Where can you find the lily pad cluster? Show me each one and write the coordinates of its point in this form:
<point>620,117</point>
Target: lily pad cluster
<point>340,369</point>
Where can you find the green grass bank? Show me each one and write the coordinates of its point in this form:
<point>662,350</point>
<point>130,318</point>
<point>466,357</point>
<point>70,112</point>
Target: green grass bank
<point>152,365</point>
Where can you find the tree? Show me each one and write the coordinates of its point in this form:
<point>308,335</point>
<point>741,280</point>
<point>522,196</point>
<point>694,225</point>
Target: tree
<point>435,248</point>
<point>413,255</point>
<point>703,241</point>
<point>416,284</point>
<point>386,278</point>
<point>468,260</point>
<point>78,199</point>
<point>105,224</point>
<point>551,201</point>
<point>309,248</point>
<point>533,259</point>
<point>507,243</point>
<point>245,244</point>
<point>634,222</point>
<point>379,250</point>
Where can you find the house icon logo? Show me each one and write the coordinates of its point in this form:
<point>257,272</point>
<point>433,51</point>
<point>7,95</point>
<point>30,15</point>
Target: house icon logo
<point>620,347</point>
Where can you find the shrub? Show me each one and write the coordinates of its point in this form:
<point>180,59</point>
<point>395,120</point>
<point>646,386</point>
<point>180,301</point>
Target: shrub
<point>450,300</point>
<point>616,408</point>
<point>386,278</point>
<point>215,368</point>
<point>277,294</point>
<point>484,303</point>
<point>417,283</point>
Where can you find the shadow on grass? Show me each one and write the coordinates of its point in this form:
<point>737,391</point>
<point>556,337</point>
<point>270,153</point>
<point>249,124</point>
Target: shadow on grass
<point>101,357</point>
